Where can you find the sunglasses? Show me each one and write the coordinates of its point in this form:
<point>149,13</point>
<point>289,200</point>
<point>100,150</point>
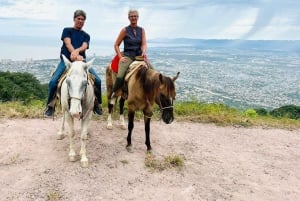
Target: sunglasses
<point>132,16</point>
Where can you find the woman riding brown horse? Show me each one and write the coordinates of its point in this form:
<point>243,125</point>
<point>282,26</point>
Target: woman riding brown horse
<point>146,86</point>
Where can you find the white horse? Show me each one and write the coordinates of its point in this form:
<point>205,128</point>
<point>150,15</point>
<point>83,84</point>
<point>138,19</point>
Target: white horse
<point>77,101</point>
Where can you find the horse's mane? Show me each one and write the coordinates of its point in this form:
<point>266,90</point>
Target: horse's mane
<point>150,81</point>
<point>170,86</point>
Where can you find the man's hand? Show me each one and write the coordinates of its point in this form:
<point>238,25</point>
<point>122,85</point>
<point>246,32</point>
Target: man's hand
<point>75,55</point>
<point>79,58</point>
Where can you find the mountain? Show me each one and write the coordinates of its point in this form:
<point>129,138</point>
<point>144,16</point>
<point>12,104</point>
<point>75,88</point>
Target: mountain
<point>280,45</point>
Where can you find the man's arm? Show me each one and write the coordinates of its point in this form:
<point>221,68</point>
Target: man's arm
<point>75,52</point>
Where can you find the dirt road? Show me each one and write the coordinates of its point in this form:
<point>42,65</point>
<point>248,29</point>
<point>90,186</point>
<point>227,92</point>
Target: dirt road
<point>221,163</point>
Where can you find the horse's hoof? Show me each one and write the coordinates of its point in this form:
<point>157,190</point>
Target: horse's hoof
<point>129,149</point>
<point>72,158</point>
<point>123,127</point>
<point>60,137</point>
<point>109,127</point>
<point>84,164</point>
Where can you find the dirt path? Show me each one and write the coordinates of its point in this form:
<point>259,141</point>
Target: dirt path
<point>221,163</point>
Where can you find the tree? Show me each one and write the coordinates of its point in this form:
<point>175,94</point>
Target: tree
<point>16,86</point>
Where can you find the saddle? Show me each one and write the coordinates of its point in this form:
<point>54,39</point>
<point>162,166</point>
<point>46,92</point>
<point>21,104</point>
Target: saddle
<point>134,66</point>
<point>138,61</point>
<point>114,64</point>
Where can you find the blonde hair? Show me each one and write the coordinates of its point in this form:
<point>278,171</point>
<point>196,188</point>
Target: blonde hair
<point>133,11</point>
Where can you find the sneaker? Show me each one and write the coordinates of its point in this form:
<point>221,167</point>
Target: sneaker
<point>97,110</point>
<point>49,112</point>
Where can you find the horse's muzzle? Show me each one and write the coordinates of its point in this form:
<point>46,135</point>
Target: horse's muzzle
<point>75,108</point>
<point>167,117</point>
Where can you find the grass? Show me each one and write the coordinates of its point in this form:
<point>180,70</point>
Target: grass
<point>192,111</point>
<point>53,195</point>
<point>14,159</point>
<point>170,161</point>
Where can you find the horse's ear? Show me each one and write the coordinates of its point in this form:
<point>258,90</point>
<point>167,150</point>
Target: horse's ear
<point>66,60</point>
<point>160,78</point>
<point>175,78</point>
<point>88,64</point>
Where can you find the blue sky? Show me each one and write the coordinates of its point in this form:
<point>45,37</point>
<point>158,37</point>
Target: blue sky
<point>32,28</point>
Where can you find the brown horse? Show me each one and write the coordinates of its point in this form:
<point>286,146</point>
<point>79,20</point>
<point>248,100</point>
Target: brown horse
<point>146,87</point>
<point>110,79</point>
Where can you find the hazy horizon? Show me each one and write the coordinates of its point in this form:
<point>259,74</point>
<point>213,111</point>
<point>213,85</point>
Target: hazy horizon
<point>21,49</point>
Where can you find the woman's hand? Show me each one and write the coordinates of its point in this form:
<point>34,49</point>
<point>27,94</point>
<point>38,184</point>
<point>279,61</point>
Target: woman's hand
<point>123,59</point>
<point>143,53</point>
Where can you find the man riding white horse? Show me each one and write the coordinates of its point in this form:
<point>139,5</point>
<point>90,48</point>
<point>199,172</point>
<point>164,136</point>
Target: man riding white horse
<point>77,102</point>
<point>75,43</point>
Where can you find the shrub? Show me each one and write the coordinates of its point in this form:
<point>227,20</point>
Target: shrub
<point>250,113</point>
<point>261,111</point>
<point>289,111</point>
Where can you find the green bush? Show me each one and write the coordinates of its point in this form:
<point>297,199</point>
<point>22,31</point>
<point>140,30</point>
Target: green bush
<point>288,111</point>
<point>250,113</point>
<point>261,111</point>
<point>16,86</point>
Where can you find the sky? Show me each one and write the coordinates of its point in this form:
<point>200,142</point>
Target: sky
<point>32,28</point>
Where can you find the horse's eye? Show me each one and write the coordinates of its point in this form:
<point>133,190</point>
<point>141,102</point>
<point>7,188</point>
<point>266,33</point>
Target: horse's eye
<point>68,81</point>
<point>84,83</point>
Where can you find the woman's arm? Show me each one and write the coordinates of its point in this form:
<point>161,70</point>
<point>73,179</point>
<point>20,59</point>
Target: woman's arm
<point>144,43</point>
<point>119,40</point>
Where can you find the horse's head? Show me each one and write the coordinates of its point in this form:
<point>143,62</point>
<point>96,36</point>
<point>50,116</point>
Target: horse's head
<point>166,97</point>
<point>77,81</point>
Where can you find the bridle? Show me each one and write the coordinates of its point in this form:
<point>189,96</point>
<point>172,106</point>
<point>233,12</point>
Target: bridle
<point>167,107</point>
<point>80,99</point>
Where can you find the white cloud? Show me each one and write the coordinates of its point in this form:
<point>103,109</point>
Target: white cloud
<point>30,9</point>
<point>255,19</point>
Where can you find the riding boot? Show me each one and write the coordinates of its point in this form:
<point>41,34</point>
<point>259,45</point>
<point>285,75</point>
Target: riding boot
<point>117,85</point>
<point>49,111</point>
<point>98,101</point>
<point>51,102</point>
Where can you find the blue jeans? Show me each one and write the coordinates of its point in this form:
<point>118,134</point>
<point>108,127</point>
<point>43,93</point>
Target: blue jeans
<point>97,85</point>
<point>57,74</point>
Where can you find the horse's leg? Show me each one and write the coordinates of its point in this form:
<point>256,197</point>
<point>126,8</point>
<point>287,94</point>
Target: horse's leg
<point>147,132</point>
<point>84,132</point>
<point>122,119</point>
<point>72,153</point>
<point>109,120</point>
<point>62,128</point>
<point>130,128</point>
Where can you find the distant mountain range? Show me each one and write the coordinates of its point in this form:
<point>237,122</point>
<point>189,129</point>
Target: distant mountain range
<point>281,45</point>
